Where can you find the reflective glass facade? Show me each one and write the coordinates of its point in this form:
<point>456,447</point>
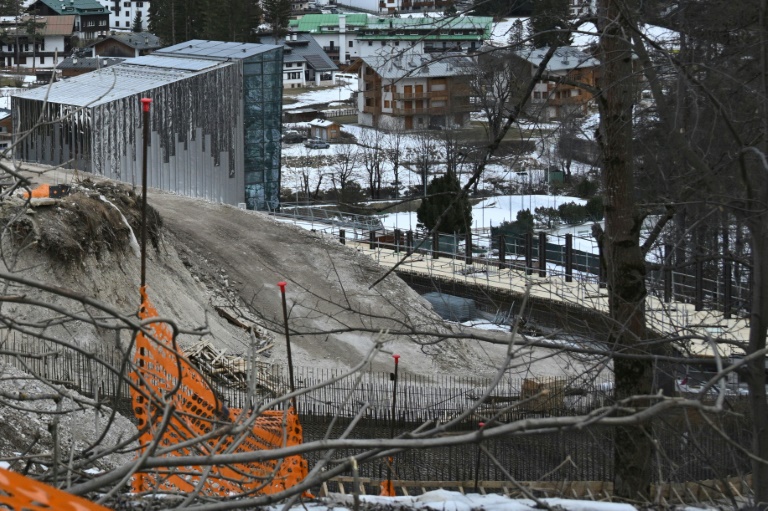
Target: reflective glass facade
<point>263,102</point>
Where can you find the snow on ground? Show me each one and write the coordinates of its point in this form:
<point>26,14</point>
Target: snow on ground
<point>324,95</point>
<point>320,165</point>
<point>455,501</point>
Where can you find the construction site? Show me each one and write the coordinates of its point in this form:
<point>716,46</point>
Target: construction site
<point>280,332</point>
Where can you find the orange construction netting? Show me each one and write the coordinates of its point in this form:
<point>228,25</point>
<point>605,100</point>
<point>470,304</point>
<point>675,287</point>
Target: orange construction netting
<point>20,493</point>
<point>163,378</point>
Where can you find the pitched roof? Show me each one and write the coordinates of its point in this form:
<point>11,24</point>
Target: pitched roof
<point>427,28</point>
<point>218,50</point>
<point>136,40</point>
<point>74,6</point>
<point>58,25</point>
<point>565,58</point>
<point>48,25</point>
<point>303,49</point>
<point>329,23</point>
<point>134,76</point>
<point>88,62</point>
<point>418,65</point>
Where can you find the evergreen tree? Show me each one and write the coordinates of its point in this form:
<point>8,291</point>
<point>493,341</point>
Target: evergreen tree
<point>138,23</point>
<point>10,7</point>
<point>232,20</point>
<point>175,21</point>
<point>441,198</point>
<point>278,14</point>
<point>549,23</point>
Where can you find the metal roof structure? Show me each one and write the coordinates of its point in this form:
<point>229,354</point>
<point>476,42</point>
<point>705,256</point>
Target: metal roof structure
<point>418,65</point>
<point>145,73</point>
<point>73,6</point>
<point>327,23</point>
<point>48,25</point>
<point>303,49</point>
<point>131,77</point>
<point>565,58</point>
<point>140,40</point>
<point>218,50</point>
<point>89,62</point>
<point>427,28</point>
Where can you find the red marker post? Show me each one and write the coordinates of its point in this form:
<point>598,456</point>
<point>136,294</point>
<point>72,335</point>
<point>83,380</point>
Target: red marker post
<point>145,102</point>
<point>388,489</point>
<point>282,285</point>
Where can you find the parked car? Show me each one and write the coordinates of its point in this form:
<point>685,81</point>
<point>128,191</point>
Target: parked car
<point>292,137</point>
<point>316,143</point>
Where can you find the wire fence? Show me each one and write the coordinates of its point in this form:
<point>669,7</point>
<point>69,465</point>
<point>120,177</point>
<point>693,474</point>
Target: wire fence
<point>689,448</point>
<point>564,266</point>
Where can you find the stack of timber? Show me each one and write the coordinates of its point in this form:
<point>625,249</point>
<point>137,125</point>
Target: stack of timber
<point>232,370</point>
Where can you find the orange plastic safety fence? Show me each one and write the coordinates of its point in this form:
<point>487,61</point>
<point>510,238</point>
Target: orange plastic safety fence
<point>162,376</point>
<point>20,493</point>
<point>44,190</point>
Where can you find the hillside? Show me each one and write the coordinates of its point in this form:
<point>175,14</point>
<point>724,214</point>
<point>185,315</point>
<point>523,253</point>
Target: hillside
<point>205,259</point>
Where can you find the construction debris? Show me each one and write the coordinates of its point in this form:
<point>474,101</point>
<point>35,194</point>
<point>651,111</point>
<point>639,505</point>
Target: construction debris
<point>232,370</point>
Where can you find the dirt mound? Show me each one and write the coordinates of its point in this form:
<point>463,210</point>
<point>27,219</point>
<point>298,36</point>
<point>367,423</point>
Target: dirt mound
<point>91,219</point>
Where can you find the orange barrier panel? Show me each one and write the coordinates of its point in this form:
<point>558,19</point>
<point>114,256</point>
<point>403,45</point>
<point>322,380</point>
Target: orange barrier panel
<point>44,190</point>
<point>18,492</point>
<point>161,375</point>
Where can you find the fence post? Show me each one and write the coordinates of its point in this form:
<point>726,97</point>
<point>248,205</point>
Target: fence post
<point>542,254</point>
<point>699,285</point>
<point>409,242</point>
<point>502,252</point>
<point>569,257</point>
<point>372,239</point>
<point>435,245</point>
<point>726,277</point>
<point>342,236</point>
<point>468,252</point>
<point>398,240</point>
<point>667,273</point>
<point>529,253</point>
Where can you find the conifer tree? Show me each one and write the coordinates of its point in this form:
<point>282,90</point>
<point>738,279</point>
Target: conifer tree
<point>138,23</point>
<point>549,23</point>
<point>441,203</point>
<point>278,14</point>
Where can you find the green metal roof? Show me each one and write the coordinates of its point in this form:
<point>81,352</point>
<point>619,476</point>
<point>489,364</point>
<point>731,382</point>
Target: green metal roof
<point>75,6</point>
<point>314,22</point>
<point>420,28</point>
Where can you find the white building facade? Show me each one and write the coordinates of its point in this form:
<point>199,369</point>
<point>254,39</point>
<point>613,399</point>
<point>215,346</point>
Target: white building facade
<point>123,12</point>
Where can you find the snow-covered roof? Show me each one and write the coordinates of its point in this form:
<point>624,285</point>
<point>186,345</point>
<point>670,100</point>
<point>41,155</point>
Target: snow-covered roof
<point>565,58</point>
<point>321,123</point>
<point>418,65</point>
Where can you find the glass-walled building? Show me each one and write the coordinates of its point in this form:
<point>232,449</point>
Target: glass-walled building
<point>215,121</point>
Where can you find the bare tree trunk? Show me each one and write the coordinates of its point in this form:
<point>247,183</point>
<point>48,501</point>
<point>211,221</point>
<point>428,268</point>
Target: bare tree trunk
<point>758,329</point>
<point>624,260</point>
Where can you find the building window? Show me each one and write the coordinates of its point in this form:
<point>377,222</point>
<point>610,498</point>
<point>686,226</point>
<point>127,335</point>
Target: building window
<point>26,46</point>
<point>90,23</point>
<point>117,23</point>
<point>102,22</point>
<point>370,43</point>
<point>386,103</point>
<point>140,4</point>
<point>350,44</point>
<point>42,59</point>
<point>127,14</point>
<point>397,43</point>
<point>126,4</point>
<point>289,65</point>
